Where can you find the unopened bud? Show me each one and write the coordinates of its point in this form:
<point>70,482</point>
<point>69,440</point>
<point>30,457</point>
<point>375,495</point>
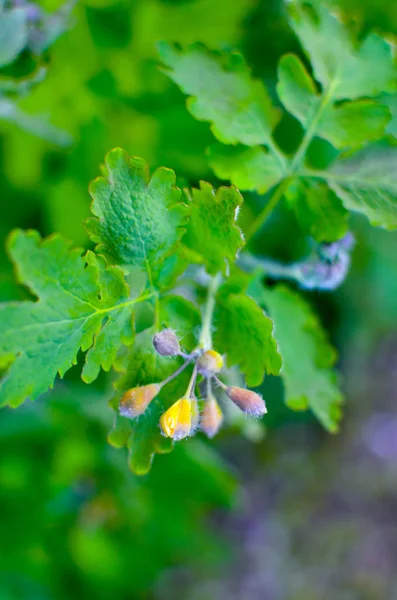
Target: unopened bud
<point>178,421</point>
<point>195,413</point>
<point>136,400</point>
<point>248,401</point>
<point>209,363</point>
<point>166,343</point>
<point>211,417</point>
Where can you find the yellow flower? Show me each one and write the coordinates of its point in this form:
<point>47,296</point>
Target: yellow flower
<point>211,417</point>
<point>209,363</point>
<point>136,400</point>
<point>178,421</point>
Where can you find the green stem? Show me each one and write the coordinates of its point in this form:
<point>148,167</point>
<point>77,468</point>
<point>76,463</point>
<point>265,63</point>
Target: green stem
<point>277,153</point>
<point>155,295</point>
<point>127,303</point>
<point>270,206</point>
<point>205,340</point>
<point>293,167</point>
<point>192,383</point>
<point>310,132</point>
<point>175,374</point>
<point>220,383</point>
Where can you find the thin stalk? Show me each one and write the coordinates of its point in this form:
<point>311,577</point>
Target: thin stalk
<point>123,304</point>
<point>307,138</point>
<point>175,374</point>
<point>270,206</point>
<point>274,149</point>
<point>192,383</point>
<point>219,382</point>
<point>293,167</point>
<point>205,340</point>
<point>270,268</point>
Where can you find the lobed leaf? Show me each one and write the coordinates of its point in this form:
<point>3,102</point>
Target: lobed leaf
<point>349,103</point>
<point>318,209</point>
<point>366,182</point>
<point>247,168</point>
<point>345,69</point>
<point>212,232</point>
<point>223,92</point>
<point>245,334</point>
<point>82,304</point>
<point>346,125</point>
<point>138,220</point>
<point>308,358</point>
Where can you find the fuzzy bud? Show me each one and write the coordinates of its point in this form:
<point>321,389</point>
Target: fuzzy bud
<point>211,417</point>
<point>136,400</point>
<point>248,401</point>
<point>178,421</point>
<point>209,363</point>
<point>166,343</point>
<point>195,413</point>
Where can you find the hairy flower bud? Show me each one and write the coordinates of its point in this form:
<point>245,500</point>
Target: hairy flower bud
<point>195,413</point>
<point>136,400</point>
<point>209,363</point>
<point>211,417</point>
<point>248,401</point>
<point>178,421</point>
<point>166,343</point>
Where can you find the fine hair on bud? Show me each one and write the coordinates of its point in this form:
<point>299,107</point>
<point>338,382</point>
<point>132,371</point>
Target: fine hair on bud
<point>195,413</point>
<point>166,343</point>
<point>248,401</point>
<point>211,417</point>
<point>136,400</point>
<point>209,363</point>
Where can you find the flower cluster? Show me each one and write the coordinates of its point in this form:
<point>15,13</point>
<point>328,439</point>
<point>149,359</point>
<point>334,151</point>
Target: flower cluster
<point>183,418</point>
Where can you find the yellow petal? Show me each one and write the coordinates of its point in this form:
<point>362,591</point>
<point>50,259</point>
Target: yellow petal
<point>209,363</point>
<point>176,422</point>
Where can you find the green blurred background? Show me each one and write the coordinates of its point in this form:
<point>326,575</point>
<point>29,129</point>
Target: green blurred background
<point>273,511</point>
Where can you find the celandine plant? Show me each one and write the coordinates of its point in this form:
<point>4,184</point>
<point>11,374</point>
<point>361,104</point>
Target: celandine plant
<point>162,300</point>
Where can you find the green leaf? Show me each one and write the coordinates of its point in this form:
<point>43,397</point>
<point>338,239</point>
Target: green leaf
<point>245,334</point>
<point>82,304</point>
<point>346,106</point>
<point>247,168</point>
<point>13,35</point>
<point>308,358</point>
<point>350,124</point>
<point>318,210</point>
<point>142,435</point>
<point>366,182</point>
<point>166,273</point>
<point>222,91</point>
<point>212,232</point>
<point>390,100</point>
<point>139,220</point>
<point>345,69</point>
